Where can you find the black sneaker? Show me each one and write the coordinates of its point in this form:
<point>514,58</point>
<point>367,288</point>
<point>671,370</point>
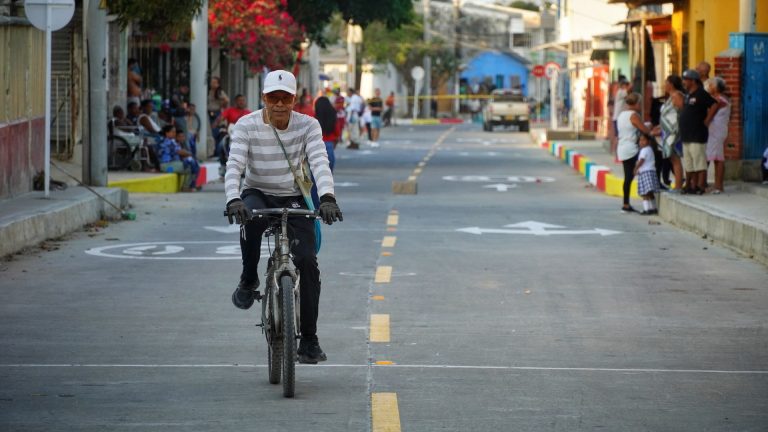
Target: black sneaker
<point>309,352</point>
<point>628,209</point>
<point>245,294</point>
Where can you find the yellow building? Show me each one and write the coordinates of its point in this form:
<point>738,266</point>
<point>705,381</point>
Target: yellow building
<point>701,27</point>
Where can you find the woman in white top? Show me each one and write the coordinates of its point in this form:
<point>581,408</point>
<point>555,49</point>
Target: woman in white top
<point>628,124</point>
<point>718,130</point>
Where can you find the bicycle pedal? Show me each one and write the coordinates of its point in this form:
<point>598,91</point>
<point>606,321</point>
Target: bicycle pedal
<point>257,296</point>
<point>259,325</point>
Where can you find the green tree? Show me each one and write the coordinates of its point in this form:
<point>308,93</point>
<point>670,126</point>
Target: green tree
<point>405,48</point>
<point>521,4</point>
<point>314,15</point>
<point>162,19</point>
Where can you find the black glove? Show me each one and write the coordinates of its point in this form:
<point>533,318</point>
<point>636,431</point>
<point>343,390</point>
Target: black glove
<point>329,210</point>
<point>237,211</point>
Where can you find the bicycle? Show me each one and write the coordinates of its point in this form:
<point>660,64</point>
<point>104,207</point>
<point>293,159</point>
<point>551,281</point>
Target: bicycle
<point>280,317</point>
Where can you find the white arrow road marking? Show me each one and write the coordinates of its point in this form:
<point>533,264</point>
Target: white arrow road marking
<point>346,184</point>
<point>501,187</point>
<point>226,229</point>
<point>533,225</point>
<point>479,231</point>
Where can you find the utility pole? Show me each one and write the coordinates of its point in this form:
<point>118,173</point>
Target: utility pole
<point>198,87</point>
<point>457,53</point>
<point>351,55</point>
<point>96,33</point>
<point>746,16</point>
<point>427,62</point>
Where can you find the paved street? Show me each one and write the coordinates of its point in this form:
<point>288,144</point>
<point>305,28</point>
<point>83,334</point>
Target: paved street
<point>505,295</point>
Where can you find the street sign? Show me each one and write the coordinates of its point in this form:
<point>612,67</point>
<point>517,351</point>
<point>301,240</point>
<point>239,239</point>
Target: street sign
<point>59,12</point>
<point>537,229</point>
<point>417,73</point>
<point>538,71</point>
<point>550,69</point>
<point>48,16</point>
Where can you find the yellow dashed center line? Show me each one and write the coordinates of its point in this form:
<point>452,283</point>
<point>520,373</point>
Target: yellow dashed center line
<point>379,328</point>
<point>388,241</point>
<point>378,297</point>
<point>384,412</point>
<point>383,274</point>
<point>386,254</point>
<point>393,219</point>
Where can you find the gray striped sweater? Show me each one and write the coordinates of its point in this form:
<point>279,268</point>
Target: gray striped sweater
<point>255,151</point>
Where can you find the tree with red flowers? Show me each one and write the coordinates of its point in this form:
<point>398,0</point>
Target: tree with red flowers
<point>261,32</point>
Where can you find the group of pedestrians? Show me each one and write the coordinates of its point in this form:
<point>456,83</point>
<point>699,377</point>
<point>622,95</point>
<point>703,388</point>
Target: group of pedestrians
<point>691,132</point>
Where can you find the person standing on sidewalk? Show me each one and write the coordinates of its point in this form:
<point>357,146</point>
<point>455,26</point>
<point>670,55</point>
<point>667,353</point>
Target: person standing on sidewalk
<point>629,123</point>
<point>669,128</point>
<point>718,130</point>
<point>377,107</point>
<point>355,106</point>
<point>647,179</point>
<point>618,107</point>
<point>697,113</point>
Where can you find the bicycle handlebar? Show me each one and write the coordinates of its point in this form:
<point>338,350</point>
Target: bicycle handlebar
<point>279,211</point>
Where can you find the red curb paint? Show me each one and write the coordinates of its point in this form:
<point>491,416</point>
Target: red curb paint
<point>576,158</point>
<point>202,175</point>
<point>451,120</point>
<point>601,179</point>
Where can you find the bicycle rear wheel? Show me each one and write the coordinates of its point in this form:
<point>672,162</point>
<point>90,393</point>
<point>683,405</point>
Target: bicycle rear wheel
<point>288,317</point>
<point>274,344</point>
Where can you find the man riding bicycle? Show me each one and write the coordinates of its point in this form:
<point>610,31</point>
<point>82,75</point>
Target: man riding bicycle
<point>270,183</point>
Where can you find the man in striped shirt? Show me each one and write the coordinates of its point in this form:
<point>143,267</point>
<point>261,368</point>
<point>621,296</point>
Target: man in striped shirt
<point>269,183</point>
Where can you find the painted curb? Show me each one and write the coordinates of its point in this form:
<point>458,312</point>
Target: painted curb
<point>600,176</point>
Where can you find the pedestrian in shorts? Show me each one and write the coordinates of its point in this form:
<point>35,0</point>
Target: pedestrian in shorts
<point>645,171</point>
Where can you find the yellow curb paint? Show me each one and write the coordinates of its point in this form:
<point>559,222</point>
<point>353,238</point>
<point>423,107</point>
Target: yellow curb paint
<point>386,254</point>
<point>383,274</point>
<point>378,297</point>
<point>384,362</point>
<point>163,183</point>
<point>385,416</point>
<point>379,328</point>
<point>388,241</point>
<point>393,219</point>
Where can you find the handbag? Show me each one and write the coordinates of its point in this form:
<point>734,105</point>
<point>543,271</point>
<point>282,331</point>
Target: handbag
<point>304,182</point>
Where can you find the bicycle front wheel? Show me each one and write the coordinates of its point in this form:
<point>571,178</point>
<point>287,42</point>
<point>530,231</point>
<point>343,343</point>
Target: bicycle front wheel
<point>287,317</point>
<point>274,344</point>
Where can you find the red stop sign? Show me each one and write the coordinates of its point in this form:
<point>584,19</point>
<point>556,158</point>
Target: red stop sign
<point>538,71</point>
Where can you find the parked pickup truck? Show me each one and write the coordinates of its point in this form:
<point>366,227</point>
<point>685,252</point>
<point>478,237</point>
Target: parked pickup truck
<point>506,107</point>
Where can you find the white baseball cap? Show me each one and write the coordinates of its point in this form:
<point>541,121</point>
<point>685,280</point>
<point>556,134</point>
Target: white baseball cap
<point>280,80</point>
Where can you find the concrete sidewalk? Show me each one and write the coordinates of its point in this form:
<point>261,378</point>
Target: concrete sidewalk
<point>737,218</point>
<point>31,218</point>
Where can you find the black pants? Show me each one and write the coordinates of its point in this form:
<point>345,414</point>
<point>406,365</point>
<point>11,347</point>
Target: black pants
<point>629,175</point>
<point>301,233</point>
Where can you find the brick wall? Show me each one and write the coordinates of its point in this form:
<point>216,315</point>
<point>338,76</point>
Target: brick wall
<point>728,65</point>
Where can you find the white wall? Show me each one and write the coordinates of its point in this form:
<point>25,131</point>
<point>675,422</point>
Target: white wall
<point>582,19</point>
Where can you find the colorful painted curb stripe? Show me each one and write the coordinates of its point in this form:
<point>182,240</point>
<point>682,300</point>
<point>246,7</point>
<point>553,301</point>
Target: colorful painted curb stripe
<point>599,176</point>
